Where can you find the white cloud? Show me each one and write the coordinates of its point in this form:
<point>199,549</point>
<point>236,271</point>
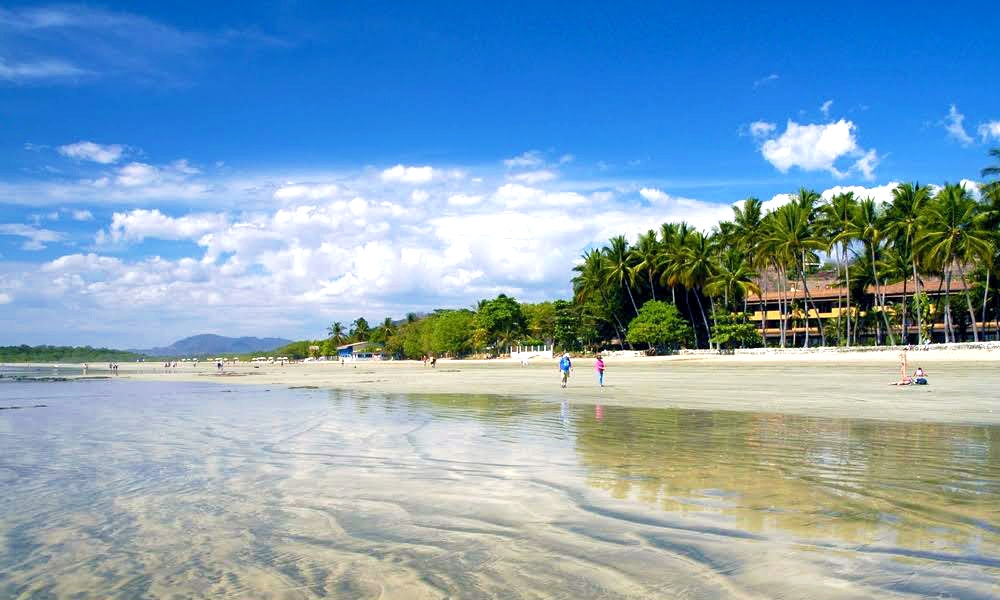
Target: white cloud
<point>82,215</point>
<point>953,124</point>
<point>762,128</point>
<point>654,195</point>
<point>464,200</point>
<point>765,80</point>
<point>137,173</point>
<point>530,159</point>
<point>973,187</point>
<point>989,130</point>
<point>533,177</point>
<point>138,224</point>
<point>6,298</point>
<point>306,192</point>
<point>866,165</point>
<point>818,147</point>
<point>39,70</point>
<point>419,196</point>
<point>566,159</point>
<point>83,150</point>
<point>825,108</point>
<point>35,238</point>
<point>403,174</point>
<point>881,193</point>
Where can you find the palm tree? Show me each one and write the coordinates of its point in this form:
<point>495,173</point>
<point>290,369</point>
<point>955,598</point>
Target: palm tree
<point>871,231</point>
<point>336,332</point>
<point>733,277</point>
<point>748,225</point>
<point>590,283</point>
<point>904,219</point>
<point>619,266</point>
<point>952,238</point>
<point>839,216</point>
<point>696,267</point>
<point>673,236</point>
<point>647,254</point>
<point>793,235</point>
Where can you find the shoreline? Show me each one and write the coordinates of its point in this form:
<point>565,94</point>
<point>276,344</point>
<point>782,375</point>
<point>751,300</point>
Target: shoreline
<point>962,386</point>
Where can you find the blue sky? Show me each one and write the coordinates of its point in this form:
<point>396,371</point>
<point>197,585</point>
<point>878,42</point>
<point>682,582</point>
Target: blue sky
<point>175,168</point>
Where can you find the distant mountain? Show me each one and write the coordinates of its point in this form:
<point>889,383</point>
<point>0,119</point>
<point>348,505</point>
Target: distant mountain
<point>216,345</point>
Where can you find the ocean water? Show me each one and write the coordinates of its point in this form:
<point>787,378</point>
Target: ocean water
<point>122,489</point>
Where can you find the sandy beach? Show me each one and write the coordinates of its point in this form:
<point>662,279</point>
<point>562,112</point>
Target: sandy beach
<point>963,382</point>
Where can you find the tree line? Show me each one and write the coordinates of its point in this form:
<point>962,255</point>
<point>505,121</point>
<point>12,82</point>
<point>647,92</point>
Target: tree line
<point>679,286</point>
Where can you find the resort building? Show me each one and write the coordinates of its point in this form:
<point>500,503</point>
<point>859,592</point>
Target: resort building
<point>828,300</point>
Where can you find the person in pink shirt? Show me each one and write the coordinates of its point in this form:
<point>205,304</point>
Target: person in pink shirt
<point>599,367</point>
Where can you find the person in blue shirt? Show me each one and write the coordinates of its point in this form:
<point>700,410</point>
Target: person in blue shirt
<point>565,366</point>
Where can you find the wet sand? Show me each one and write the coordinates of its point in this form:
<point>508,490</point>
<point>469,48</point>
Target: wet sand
<point>963,384</point>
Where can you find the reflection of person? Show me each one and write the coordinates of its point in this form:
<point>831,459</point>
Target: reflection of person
<point>599,368</point>
<point>565,366</point>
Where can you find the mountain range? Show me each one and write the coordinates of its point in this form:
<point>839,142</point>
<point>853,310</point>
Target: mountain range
<point>215,345</point>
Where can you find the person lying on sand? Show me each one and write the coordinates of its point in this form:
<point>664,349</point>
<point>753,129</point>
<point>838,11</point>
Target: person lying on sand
<point>920,376</point>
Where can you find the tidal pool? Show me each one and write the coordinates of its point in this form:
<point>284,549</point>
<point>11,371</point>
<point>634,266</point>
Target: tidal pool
<point>118,489</point>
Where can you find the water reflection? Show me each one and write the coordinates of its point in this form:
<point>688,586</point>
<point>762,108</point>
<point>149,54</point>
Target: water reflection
<point>128,490</point>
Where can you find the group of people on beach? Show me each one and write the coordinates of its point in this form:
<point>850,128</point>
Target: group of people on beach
<point>919,377</point>
<point>566,367</point>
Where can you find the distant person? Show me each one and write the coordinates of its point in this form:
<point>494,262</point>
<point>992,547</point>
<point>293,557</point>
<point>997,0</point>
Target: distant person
<point>434,362</point>
<point>565,366</point>
<point>920,376</point>
<point>599,368</point>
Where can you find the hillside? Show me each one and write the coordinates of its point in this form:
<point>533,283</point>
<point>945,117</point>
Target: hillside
<point>215,345</point>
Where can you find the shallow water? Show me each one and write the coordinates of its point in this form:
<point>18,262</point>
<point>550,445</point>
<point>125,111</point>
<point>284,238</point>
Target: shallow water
<point>121,489</point>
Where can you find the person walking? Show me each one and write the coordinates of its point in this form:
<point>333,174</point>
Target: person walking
<point>599,368</point>
<point>565,366</point>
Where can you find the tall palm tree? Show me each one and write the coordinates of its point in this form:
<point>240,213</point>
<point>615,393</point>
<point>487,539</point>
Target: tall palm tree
<point>839,216</point>
<point>673,237</point>
<point>904,219</point>
<point>619,266</point>
<point>647,255</point>
<point>748,223</point>
<point>696,267</point>
<point>590,283</point>
<point>336,332</point>
<point>793,235</point>
<point>953,238</point>
<point>733,277</point>
<point>871,231</point>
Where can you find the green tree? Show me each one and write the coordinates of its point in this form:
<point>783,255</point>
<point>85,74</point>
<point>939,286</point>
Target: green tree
<point>659,324</point>
<point>646,257</point>
<point>336,332</point>
<point>566,333</point>
<point>734,330</point>
<point>618,268</point>
<point>451,332</point>
<point>838,220</point>
<point>541,320</point>
<point>904,219</point>
<point>502,319</point>
<point>360,330</point>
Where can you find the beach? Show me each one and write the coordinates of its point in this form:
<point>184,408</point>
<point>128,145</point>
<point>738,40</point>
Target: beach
<point>962,389</point>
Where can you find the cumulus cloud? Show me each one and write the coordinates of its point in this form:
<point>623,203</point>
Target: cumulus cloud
<point>881,193</point>
<point>530,159</point>
<point>137,173</point>
<point>464,200</point>
<point>403,174</point>
<point>818,147</point>
<point>82,215</point>
<point>139,224</point>
<point>35,238</point>
<point>989,130</point>
<point>292,192</point>
<point>83,150</point>
<point>954,124</point>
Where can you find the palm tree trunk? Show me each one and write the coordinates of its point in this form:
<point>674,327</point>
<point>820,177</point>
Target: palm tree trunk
<point>916,294</point>
<point>808,300</point>
<point>652,290</point>
<point>885,319</point>
<point>847,278</point>
<point>701,307</point>
<point>694,330</point>
<point>628,289</point>
<point>906,334</point>
<point>986,296</point>
<point>947,307</point>
<point>673,294</point>
<point>968,300</point>
<point>840,306</point>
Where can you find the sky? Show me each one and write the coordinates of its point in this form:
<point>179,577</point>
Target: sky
<point>175,168</point>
